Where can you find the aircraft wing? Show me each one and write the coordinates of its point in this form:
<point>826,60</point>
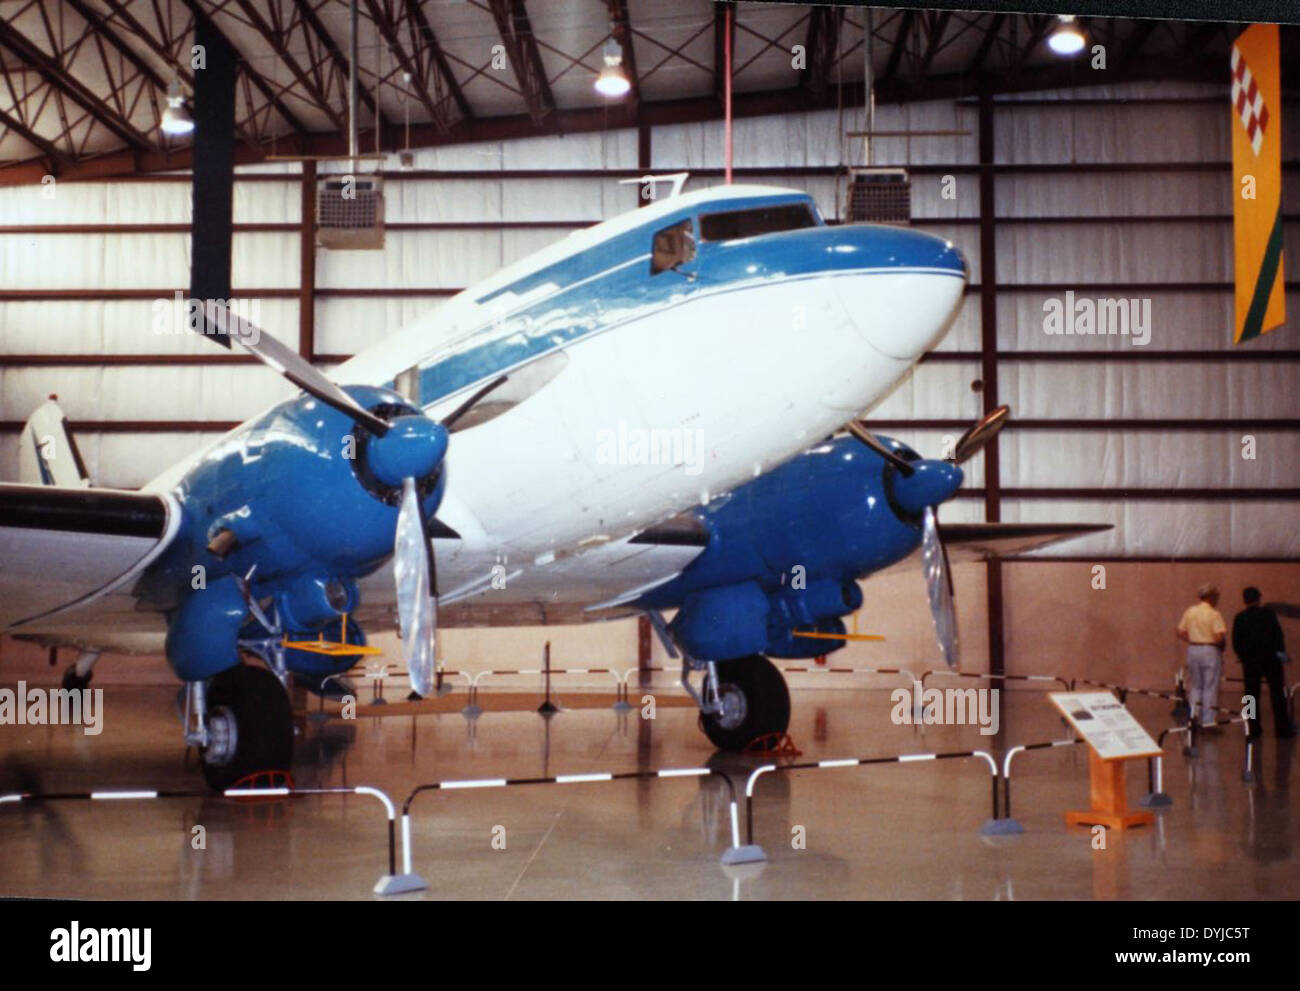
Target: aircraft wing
<point>65,549</point>
<point>591,584</point>
<point>983,541</point>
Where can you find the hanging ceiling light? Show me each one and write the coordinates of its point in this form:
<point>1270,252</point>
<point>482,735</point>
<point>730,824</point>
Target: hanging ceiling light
<point>613,81</point>
<point>1068,38</point>
<point>176,118</point>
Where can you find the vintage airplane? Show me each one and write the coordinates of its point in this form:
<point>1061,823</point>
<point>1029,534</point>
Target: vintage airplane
<point>732,317</point>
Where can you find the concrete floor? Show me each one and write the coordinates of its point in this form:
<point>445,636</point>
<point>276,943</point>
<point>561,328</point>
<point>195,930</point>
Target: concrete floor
<point>893,831</point>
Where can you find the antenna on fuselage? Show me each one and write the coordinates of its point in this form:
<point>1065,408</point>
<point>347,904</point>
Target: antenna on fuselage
<point>678,179</point>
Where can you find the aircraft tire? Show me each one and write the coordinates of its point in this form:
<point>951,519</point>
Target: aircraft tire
<point>74,682</point>
<point>755,691</point>
<point>253,699</point>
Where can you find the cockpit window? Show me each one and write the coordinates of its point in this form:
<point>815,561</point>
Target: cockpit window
<point>751,223</point>
<point>673,246</point>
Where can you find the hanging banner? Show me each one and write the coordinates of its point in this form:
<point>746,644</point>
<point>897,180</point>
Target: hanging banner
<point>1257,190</point>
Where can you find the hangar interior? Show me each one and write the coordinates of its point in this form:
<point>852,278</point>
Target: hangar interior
<point>1051,176</point>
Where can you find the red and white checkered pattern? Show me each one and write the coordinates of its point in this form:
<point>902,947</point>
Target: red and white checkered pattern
<point>1248,100</point>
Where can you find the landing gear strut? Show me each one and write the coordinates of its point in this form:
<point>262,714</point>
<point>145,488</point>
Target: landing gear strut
<point>245,725</point>
<point>743,699</point>
<point>77,677</point>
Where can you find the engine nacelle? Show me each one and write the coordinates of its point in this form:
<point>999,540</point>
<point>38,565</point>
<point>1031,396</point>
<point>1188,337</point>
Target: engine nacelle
<point>823,599</point>
<point>720,623</point>
<point>298,505</point>
<point>832,515</point>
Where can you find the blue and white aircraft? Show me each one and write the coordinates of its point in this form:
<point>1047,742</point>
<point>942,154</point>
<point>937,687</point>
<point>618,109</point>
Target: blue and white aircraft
<point>639,418</point>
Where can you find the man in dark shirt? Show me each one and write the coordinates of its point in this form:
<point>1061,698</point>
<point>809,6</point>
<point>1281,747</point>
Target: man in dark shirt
<point>1258,643</point>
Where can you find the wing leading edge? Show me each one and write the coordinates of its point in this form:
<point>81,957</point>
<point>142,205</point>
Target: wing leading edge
<point>64,548</point>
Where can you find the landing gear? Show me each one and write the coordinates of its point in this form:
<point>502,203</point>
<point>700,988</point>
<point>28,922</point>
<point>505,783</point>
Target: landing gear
<point>249,726</point>
<point>752,700</point>
<point>77,677</point>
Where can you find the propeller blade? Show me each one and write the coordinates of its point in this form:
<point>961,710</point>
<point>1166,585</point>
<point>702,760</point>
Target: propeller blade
<point>449,421</point>
<point>417,610</point>
<point>984,430</point>
<point>859,430</point>
<point>938,587</point>
<point>302,373</point>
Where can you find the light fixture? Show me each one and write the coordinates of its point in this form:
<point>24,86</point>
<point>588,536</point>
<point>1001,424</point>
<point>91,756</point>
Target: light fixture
<point>176,118</point>
<point>613,81</point>
<point>1068,38</point>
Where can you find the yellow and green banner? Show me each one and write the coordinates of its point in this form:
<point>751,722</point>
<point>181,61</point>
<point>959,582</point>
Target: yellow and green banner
<point>1257,193</point>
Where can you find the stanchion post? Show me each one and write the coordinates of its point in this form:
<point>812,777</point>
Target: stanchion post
<point>1003,825</point>
<point>472,709</point>
<point>547,708</point>
<point>1155,796</point>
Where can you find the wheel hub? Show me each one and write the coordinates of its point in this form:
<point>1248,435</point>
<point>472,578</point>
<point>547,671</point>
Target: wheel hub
<point>733,706</point>
<point>223,737</point>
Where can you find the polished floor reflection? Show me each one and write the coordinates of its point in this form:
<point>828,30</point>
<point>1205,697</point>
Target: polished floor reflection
<point>890,831</point>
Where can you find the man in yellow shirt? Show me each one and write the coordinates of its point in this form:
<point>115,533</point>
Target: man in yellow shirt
<point>1203,629</point>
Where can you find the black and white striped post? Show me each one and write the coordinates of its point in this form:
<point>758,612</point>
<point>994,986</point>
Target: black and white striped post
<point>918,706</point>
<point>736,853</point>
<point>856,762</point>
<point>236,794</point>
<point>1124,690</point>
<point>1007,824</point>
<point>994,677</point>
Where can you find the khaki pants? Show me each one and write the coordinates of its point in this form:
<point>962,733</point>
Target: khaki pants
<point>1204,666</point>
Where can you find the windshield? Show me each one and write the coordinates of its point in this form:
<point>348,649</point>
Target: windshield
<point>755,221</point>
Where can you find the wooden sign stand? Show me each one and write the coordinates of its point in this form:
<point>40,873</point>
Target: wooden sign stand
<point>1109,799</point>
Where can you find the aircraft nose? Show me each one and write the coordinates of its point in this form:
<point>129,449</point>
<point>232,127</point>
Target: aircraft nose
<point>904,290</point>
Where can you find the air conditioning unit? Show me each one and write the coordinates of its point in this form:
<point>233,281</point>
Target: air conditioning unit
<point>350,212</point>
<point>880,196</point>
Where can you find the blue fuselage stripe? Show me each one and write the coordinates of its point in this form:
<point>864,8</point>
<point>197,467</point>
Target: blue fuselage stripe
<point>594,291</point>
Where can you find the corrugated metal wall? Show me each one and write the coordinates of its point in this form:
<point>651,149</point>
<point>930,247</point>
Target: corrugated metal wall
<point>1102,198</point>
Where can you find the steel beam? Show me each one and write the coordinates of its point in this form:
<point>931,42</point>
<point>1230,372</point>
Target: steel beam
<point>622,30</point>
<point>416,13</point>
<point>516,33</point>
<point>55,76</point>
<point>315,88</point>
<point>821,46</point>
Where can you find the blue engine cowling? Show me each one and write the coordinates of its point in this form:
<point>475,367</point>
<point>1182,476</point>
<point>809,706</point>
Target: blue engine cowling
<point>309,513</point>
<point>786,550</point>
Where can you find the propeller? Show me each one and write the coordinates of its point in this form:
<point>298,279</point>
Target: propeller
<point>920,487</point>
<point>859,430</point>
<point>938,586</point>
<point>984,430</point>
<point>401,452</point>
<point>415,571</point>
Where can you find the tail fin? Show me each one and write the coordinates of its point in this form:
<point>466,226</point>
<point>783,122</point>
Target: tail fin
<point>47,451</point>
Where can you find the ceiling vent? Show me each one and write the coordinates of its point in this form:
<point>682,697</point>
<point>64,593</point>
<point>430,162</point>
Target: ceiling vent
<point>880,196</point>
<point>350,212</point>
